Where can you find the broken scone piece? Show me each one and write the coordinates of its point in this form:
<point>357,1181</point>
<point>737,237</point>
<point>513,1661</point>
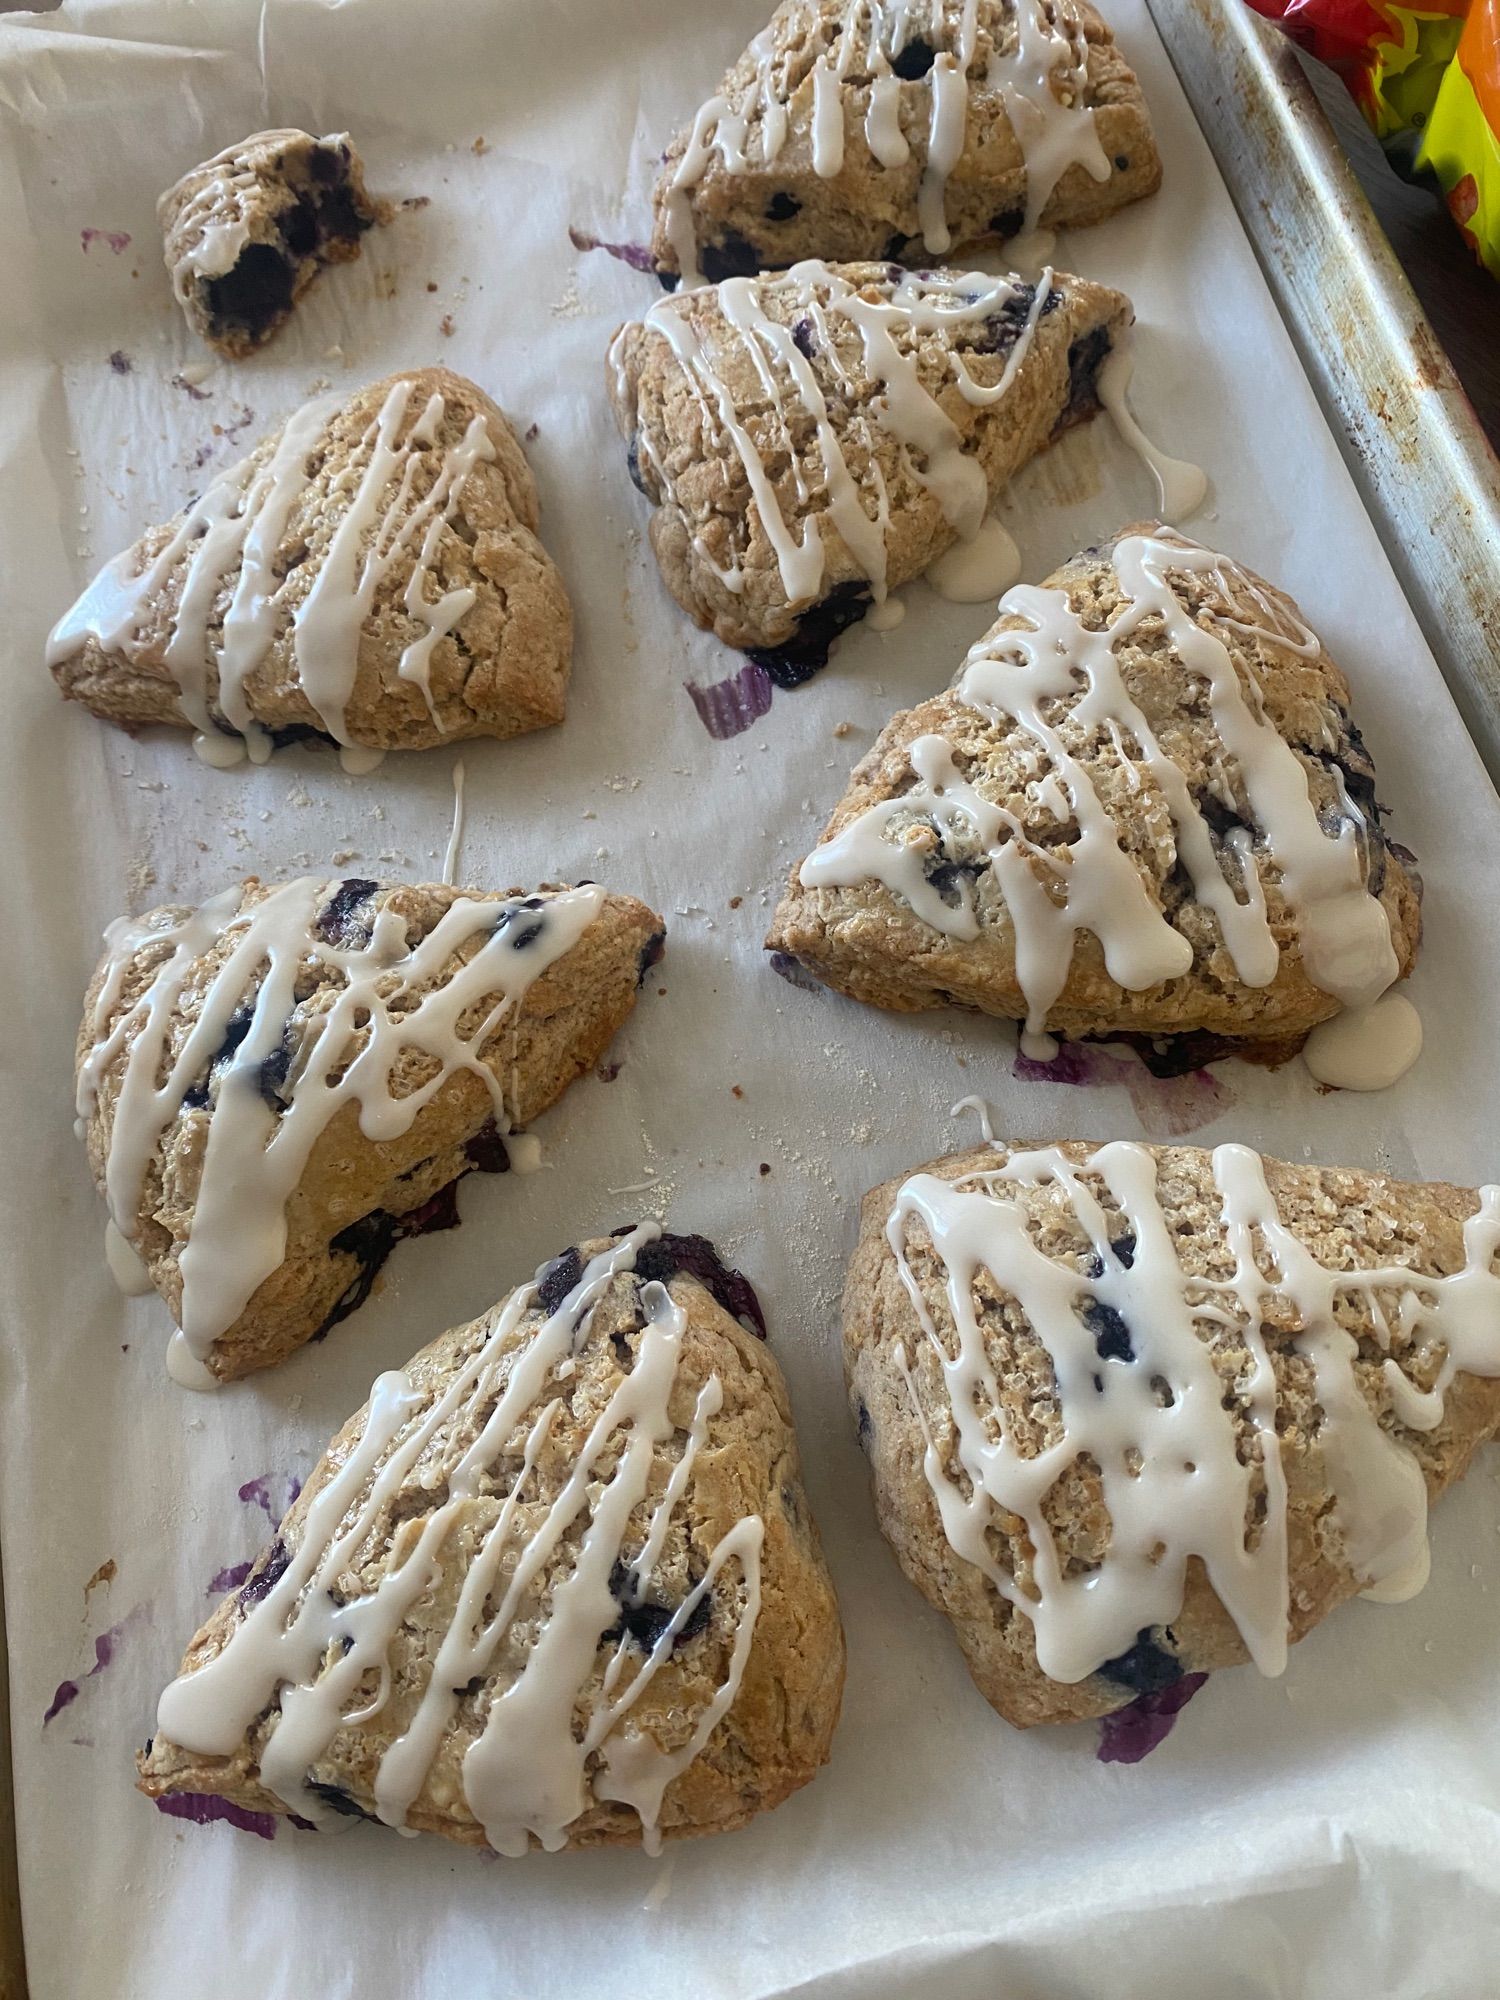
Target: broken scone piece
<point>1143,808</point>
<point>369,576</point>
<point>248,231</point>
<point>1135,1412</point>
<point>812,441</point>
<point>900,128</point>
<point>277,1087</point>
<point>557,1584</point>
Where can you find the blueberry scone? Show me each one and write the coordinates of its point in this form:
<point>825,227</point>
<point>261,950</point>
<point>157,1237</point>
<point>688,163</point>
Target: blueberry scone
<point>556,1584</point>
<point>369,576</point>
<point>1134,1412</point>
<point>1143,807</point>
<point>248,231</point>
<point>900,128</point>
<point>278,1086</point>
<point>811,441</point>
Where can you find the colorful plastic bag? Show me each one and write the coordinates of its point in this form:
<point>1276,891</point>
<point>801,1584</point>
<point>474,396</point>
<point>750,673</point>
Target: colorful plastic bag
<point>1427,78</point>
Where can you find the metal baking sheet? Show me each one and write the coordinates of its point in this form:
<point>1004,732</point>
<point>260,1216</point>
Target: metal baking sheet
<point>940,1852</point>
<point>1423,465</point>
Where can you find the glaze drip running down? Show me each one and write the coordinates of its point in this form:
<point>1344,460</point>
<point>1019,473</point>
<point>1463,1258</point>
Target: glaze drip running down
<point>1032,54</point>
<point>229,603</point>
<point>1156,1424</point>
<point>1023,674</point>
<point>558,1735</point>
<point>268,1079</point>
<point>808,300</point>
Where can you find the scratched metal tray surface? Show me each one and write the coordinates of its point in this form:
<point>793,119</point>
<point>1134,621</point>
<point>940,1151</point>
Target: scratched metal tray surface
<point>1424,467</point>
<point>1425,471</point>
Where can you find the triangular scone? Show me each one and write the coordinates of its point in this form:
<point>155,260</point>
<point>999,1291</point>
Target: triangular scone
<point>1142,808</point>
<point>1135,1412</point>
<point>246,232</point>
<point>901,128</point>
<point>277,1087</point>
<point>557,1583</point>
<point>813,440</point>
<point>370,574</point>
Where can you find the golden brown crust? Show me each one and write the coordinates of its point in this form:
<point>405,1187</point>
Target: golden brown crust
<point>866,941</point>
<point>867,210</point>
<point>706,522</point>
<point>562,1026</point>
<point>777,1731</point>
<point>501,671</point>
<point>1348,1218</point>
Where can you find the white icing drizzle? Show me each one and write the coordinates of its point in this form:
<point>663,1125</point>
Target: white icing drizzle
<point>185,1369</point>
<point>1040,71</point>
<point>229,539</point>
<point>1181,487</point>
<point>1022,675</point>
<point>456,837</point>
<point>763,315</point>
<point>126,1265</point>
<point>260,1135</point>
<point>1366,1048</point>
<point>1173,1484</point>
<point>661,1887</point>
<point>1054,129</point>
<point>553,1743</point>
<point>981,1111</point>
<point>972,572</point>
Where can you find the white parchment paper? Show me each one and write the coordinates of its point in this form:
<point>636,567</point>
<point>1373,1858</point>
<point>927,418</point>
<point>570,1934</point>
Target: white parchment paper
<point>1333,1833</point>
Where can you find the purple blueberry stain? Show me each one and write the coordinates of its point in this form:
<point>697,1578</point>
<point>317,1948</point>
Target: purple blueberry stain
<point>637,255</point>
<point>106,1651</point>
<point>262,1492</point>
<point>695,1257</point>
<point>486,1151</point>
<point>1073,1064</point>
<point>1167,1105</point>
<point>202,1808</point>
<point>805,652</point>
<point>794,972</point>
<point>651,953</point>
<point>66,1693</point>
<point>121,362</point>
<point>265,1572</point>
<point>730,707</point>
<point>117,239</point>
<point>557,1279</point>
<point>340,921</point>
<point>1134,1731</point>
<point>732,256</point>
<point>229,1579</point>
<point>222,434</point>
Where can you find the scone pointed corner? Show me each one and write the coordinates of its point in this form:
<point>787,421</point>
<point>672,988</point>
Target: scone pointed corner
<point>369,576</point>
<point>856,133</point>
<point>280,1086</point>
<point>1075,838</point>
<point>1240,1441</point>
<point>777,426</point>
<point>622,1628</point>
